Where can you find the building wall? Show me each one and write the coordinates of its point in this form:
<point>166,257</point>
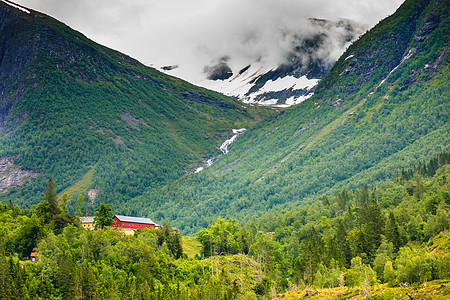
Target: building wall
<point>89,225</point>
<point>130,225</point>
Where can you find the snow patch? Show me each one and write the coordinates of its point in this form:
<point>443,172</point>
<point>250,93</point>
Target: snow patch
<point>288,82</point>
<point>240,84</point>
<point>348,57</point>
<point>280,84</point>
<point>16,6</point>
<point>294,100</point>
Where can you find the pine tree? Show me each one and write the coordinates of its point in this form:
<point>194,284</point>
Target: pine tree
<point>49,207</point>
<point>372,224</point>
<point>343,247</point>
<point>66,276</point>
<point>392,232</point>
<point>79,204</point>
<point>312,250</point>
<point>103,215</point>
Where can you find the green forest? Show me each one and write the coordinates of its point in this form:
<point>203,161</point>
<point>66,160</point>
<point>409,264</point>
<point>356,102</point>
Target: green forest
<point>365,242</point>
<point>78,107</point>
<point>345,195</point>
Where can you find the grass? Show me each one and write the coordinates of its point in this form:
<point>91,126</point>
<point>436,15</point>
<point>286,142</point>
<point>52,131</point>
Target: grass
<point>438,289</point>
<point>440,244</point>
<point>191,246</point>
<point>82,185</point>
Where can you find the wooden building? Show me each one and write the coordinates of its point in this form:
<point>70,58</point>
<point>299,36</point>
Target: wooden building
<point>88,222</point>
<point>132,223</point>
<point>33,256</point>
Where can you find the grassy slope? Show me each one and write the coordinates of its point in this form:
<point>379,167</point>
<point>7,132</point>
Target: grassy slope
<point>81,186</point>
<point>438,289</point>
<point>191,246</point>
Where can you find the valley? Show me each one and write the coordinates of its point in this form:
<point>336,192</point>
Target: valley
<point>334,186</point>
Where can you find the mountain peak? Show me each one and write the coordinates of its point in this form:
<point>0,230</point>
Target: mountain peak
<point>305,56</point>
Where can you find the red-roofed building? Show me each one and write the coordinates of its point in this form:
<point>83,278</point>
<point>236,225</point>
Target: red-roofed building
<point>133,223</point>
<point>33,256</point>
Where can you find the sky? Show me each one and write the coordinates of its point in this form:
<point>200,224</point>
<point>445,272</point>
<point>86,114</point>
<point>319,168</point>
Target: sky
<point>194,33</point>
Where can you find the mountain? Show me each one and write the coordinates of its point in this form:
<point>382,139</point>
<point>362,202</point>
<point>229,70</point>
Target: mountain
<point>95,120</point>
<point>306,56</point>
<point>384,105</point>
<point>102,124</point>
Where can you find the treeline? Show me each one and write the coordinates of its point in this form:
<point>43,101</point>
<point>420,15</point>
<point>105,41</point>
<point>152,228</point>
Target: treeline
<point>395,233</point>
<point>425,168</point>
<point>357,238</point>
<point>75,263</point>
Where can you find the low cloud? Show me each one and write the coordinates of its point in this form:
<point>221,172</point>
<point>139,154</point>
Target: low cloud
<point>196,33</point>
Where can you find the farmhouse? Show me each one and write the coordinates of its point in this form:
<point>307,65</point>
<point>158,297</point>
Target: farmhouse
<point>33,256</point>
<point>132,223</point>
<point>88,222</point>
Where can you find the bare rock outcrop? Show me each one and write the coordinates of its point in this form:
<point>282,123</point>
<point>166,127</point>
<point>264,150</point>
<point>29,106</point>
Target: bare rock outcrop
<point>11,175</point>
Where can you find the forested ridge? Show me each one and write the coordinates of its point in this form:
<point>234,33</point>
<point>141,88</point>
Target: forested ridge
<point>364,242</point>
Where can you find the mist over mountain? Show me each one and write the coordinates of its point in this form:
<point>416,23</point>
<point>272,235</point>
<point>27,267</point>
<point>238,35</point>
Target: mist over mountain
<point>197,36</point>
<point>284,73</point>
<point>343,196</point>
<point>383,105</point>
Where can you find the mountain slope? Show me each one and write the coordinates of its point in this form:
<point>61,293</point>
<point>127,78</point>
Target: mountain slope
<point>384,105</point>
<point>69,106</point>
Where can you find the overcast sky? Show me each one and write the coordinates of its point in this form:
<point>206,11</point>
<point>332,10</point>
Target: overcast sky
<point>163,32</point>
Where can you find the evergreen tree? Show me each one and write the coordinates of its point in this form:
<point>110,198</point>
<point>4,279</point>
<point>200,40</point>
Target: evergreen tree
<point>48,207</point>
<point>372,224</point>
<point>103,216</point>
<point>311,253</point>
<point>343,247</point>
<point>392,232</point>
<point>78,206</point>
<point>50,197</point>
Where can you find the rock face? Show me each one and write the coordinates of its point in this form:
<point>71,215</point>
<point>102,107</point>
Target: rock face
<point>12,175</point>
<point>93,193</point>
<point>220,71</point>
<point>14,55</point>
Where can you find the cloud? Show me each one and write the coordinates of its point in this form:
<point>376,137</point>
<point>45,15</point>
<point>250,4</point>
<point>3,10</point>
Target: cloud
<point>195,33</point>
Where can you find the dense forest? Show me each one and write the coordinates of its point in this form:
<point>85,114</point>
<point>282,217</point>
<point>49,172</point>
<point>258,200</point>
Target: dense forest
<point>395,234</point>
